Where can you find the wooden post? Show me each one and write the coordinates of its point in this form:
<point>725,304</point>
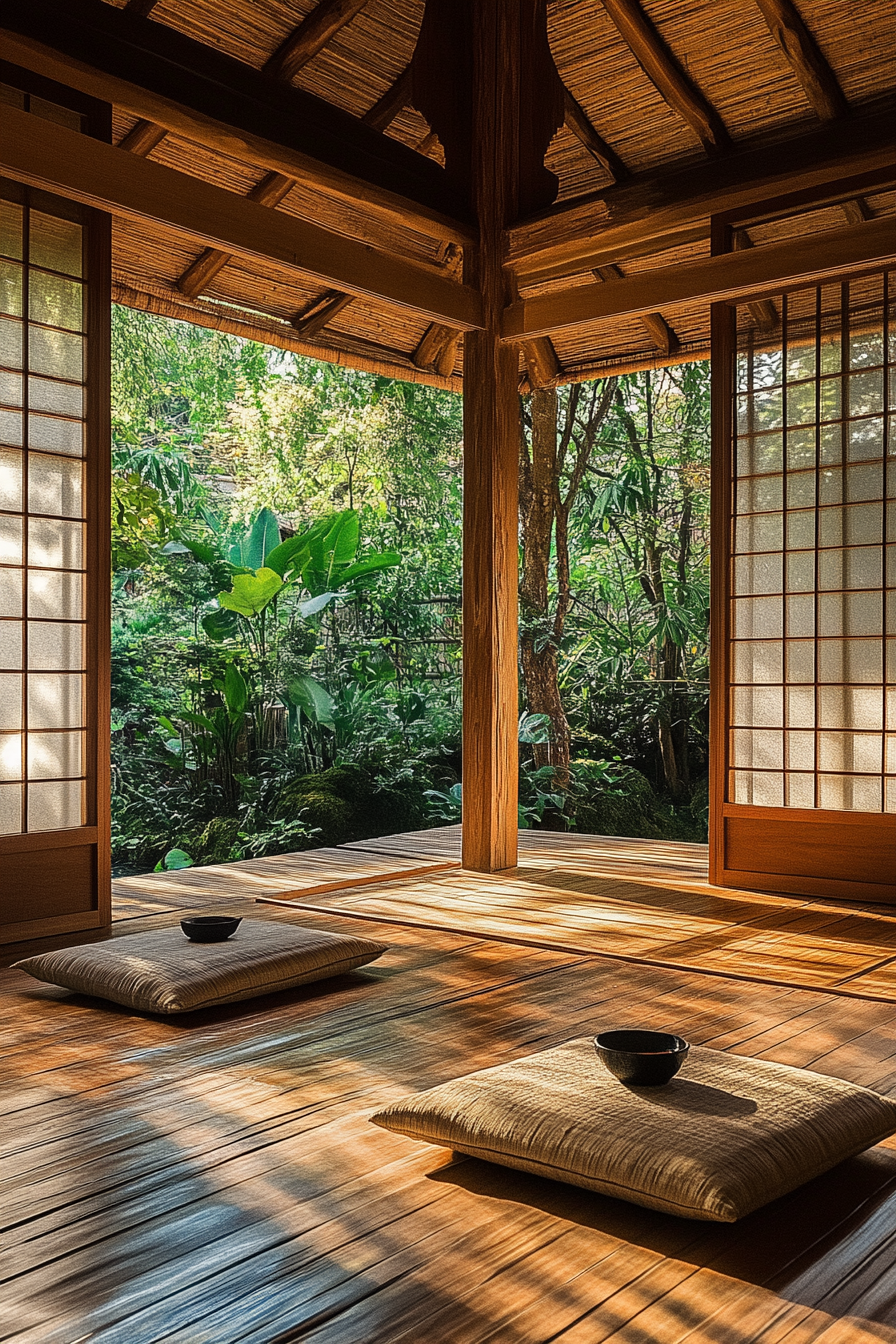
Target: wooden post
<point>495,128</point>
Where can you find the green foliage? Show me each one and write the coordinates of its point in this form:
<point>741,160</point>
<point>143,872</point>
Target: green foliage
<point>286,596</point>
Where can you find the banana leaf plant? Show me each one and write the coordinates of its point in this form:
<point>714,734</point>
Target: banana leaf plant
<point>268,577</point>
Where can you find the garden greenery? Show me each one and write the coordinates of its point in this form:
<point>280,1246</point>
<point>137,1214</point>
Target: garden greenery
<point>286,603</point>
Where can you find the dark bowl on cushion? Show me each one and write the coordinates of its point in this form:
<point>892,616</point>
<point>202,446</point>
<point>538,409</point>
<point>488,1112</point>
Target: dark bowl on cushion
<point>641,1058</point>
<point>210,928</point>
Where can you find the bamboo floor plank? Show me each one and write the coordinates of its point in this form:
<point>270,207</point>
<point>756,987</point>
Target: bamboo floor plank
<point>219,1180</point>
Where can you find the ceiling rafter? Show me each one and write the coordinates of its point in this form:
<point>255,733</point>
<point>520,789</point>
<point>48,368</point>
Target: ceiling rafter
<point>667,76</point>
<point>660,333</point>
<point>576,119</point>
<point>763,311</point>
<point>311,36</point>
<point>542,365</point>
<point>818,81</point>
<point>437,348</point>
<point>322,310</point>
<point>55,158</point>
<point>275,186</point>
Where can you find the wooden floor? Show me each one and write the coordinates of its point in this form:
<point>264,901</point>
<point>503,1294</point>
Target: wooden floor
<point>213,1179</point>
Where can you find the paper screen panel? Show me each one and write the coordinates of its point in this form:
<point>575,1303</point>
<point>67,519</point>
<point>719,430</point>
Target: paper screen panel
<point>43,659</point>
<point>814,554</point>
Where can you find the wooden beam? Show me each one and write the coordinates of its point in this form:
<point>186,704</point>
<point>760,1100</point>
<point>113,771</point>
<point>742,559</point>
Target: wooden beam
<point>316,316</point>
<point>57,159</point>
<point>737,275</point>
<point>542,364</point>
<point>142,138</point>
<point>665,73</point>
<point>655,210</point>
<point>159,74</point>
<point>804,58</point>
<point>856,210</point>
<point>311,36</point>
<point>656,326</point>
<point>270,191</point>
<point>576,119</point>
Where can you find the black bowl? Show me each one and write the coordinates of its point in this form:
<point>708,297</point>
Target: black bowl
<point>210,928</point>
<point>642,1058</point>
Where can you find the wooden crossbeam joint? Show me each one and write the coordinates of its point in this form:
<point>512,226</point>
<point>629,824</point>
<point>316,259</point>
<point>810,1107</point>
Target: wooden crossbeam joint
<point>311,36</point>
<point>818,80</point>
<point>542,364</point>
<point>270,191</point>
<point>656,326</point>
<point>142,138</point>
<point>665,73</point>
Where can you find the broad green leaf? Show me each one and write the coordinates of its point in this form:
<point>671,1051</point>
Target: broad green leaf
<point>385,560</point>
<point>236,692</point>
<point>312,699</point>
<point>264,536</point>
<point>199,721</point>
<point>175,548</point>
<point>289,555</point>
<point>167,725</point>
<point>251,593</point>
<point>220,624</point>
<point>341,542</point>
<point>177,858</point>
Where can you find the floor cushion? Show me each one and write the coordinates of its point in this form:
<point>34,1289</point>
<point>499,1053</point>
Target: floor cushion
<point>726,1136</point>
<point>163,972</point>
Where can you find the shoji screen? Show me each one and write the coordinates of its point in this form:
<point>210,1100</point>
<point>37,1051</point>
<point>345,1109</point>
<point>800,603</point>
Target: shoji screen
<point>54,408</point>
<point>805,675</point>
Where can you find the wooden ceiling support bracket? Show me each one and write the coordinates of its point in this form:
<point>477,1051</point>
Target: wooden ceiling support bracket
<point>542,365</point>
<point>665,73</point>
<point>801,51</point>
<point>763,311</point>
<point>437,349</point>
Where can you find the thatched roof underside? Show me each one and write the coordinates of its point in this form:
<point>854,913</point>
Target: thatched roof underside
<point>725,46</point>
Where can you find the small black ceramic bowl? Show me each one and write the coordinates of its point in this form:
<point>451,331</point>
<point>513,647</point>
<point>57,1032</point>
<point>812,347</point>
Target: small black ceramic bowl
<point>642,1058</point>
<point>210,928</point>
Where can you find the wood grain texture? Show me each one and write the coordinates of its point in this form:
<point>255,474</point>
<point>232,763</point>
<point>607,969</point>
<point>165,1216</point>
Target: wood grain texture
<point>802,53</point>
<point>311,36</point>
<point>679,204</point>
<point>218,1179</point>
<point>56,158</point>
<point>143,138</point>
<point>270,191</point>
<point>659,64</point>
<point>777,266</point>
<point>230,108</point>
<point>576,119</point>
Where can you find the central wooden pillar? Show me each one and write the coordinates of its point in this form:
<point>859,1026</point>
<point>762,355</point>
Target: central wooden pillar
<point>491,464</point>
<point>484,77</point>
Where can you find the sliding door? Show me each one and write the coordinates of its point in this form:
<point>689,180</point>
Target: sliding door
<point>54,565</point>
<point>804,624</point>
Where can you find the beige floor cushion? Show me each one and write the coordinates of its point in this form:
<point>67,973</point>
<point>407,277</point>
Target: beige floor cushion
<point>726,1136</point>
<point>163,972</point>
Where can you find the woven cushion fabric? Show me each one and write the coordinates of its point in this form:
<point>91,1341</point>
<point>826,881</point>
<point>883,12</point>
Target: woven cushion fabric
<point>726,1136</point>
<point>163,972</point>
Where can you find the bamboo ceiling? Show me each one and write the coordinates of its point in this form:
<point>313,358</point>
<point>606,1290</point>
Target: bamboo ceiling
<point>738,85</point>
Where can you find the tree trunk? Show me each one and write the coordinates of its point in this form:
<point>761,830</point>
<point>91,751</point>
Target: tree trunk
<point>539,636</point>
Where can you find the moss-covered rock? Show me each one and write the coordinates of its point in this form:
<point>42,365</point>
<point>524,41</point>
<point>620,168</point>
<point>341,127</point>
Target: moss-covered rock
<point>629,807</point>
<point>347,802</point>
<point>217,843</point>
